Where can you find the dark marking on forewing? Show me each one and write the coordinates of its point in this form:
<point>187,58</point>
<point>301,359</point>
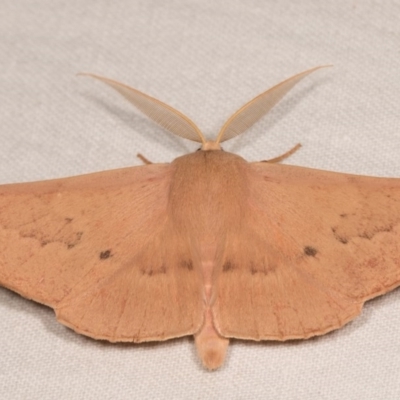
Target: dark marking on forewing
<point>262,267</point>
<point>187,264</point>
<point>68,220</point>
<point>154,270</point>
<point>310,251</point>
<point>73,243</point>
<point>228,266</point>
<point>105,254</point>
<point>388,228</point>
<point>339,238</point>
<point>367,234</point>
<point>370,234</point>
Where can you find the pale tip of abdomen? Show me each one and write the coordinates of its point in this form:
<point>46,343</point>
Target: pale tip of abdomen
<point>211,349</point>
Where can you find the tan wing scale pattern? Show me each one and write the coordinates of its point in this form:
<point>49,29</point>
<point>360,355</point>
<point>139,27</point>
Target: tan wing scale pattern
<point>313,247</point>
<point>99,249</point>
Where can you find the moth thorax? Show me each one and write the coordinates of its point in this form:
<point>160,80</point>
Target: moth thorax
<point>210,146</point>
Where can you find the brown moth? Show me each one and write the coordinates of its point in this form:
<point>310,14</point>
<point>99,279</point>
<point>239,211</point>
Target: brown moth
<point>209,245</point>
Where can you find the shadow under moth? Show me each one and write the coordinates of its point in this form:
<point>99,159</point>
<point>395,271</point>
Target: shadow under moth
<point>209,245</point>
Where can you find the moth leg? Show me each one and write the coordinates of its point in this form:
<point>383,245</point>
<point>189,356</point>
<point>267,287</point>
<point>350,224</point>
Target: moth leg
<point>284,155</point>
<point>144,159</point>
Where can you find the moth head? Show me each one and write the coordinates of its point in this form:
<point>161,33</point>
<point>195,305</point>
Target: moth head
<point>207,146</point>
<point>179,124</point>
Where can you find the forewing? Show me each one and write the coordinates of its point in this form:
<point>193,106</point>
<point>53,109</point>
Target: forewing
<point>100,250</point>
<point>313,247</point>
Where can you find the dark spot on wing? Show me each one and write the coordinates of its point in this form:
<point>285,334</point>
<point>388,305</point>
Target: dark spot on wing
<point>344,215</point>
<point>66,239</point>
<point>388,228</point>
<point>68,220</point>
<point>154,271</point>
<point>253,269</point>
<point>187,264</point>
<point>105,254</point>
<point>310,251</point>
<point>228,266</point>
<point>338,237</point>
<point>362,233</point>
<point>370,234</point>
<point>262,268</point>
<point>75,241</point>
<point>366,235</point>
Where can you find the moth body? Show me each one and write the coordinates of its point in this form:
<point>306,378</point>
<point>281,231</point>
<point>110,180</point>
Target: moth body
<point>209,245</point>
<point>214,187</point>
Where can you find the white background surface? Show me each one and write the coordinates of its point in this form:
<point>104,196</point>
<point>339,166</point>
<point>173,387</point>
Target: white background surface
<point>206,58</point>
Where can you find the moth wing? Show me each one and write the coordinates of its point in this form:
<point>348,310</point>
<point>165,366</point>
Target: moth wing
<point>99,249</point>
<point>314,246</point>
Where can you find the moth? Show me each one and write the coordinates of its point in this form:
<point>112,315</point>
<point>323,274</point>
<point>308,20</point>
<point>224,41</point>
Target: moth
<point>209,245</point>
